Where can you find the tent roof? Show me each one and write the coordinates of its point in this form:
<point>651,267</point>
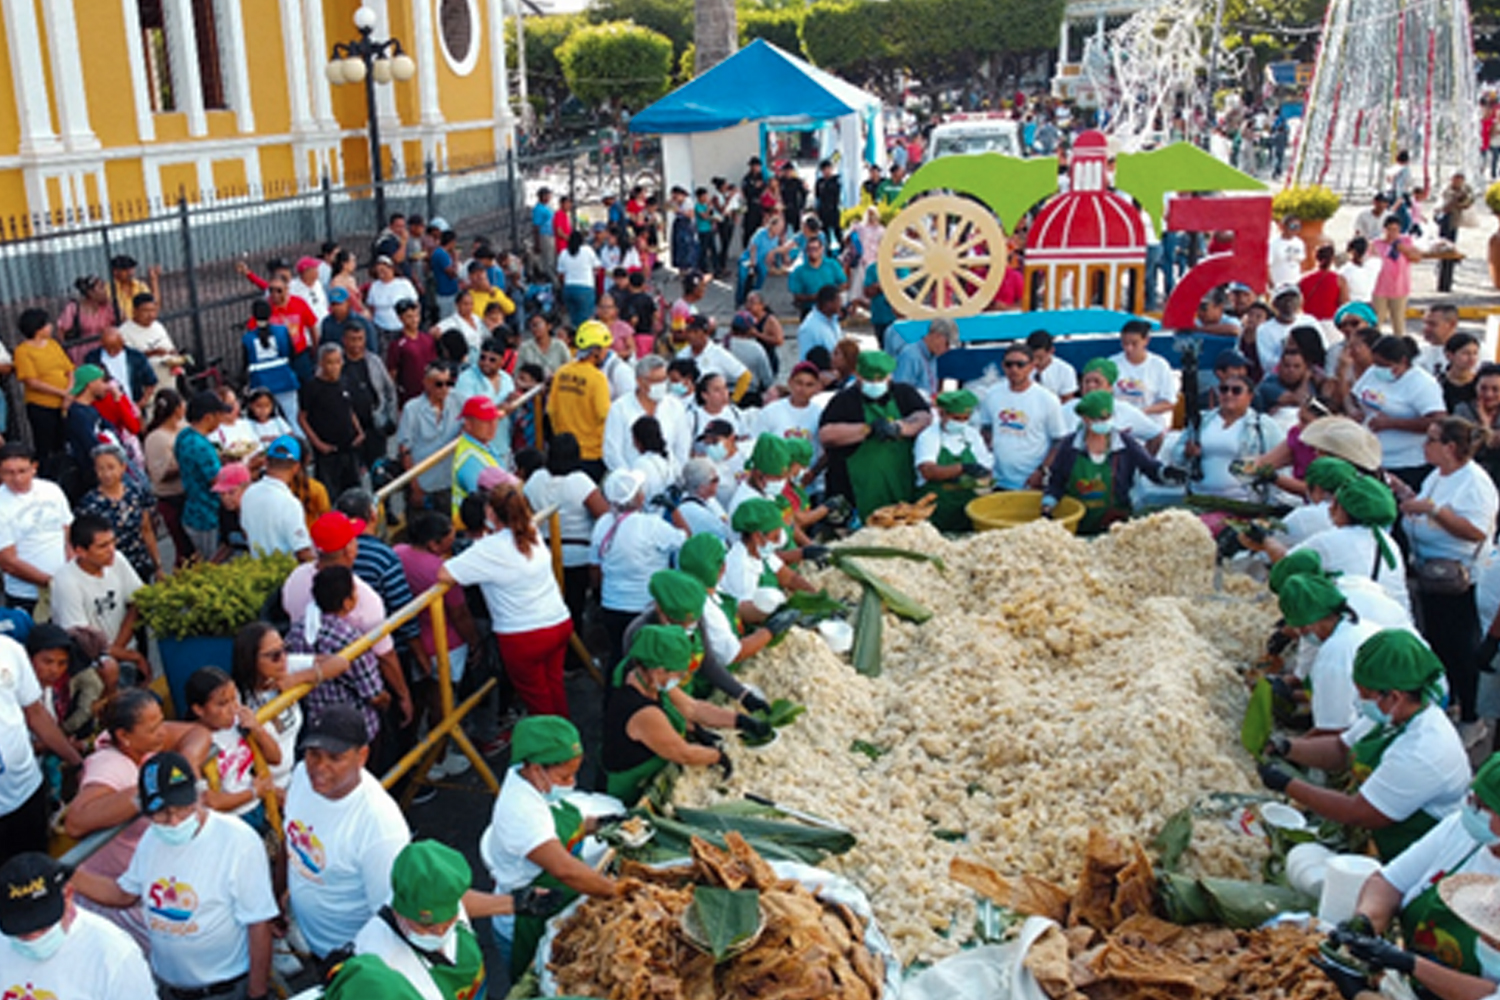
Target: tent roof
<point>757,83</point>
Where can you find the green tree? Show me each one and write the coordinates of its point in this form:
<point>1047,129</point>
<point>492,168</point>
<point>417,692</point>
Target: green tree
<point>849,38</point>
<point>619,64</point>
<point>673,18</point>
<point>544,36</point>
<point>781,26</point>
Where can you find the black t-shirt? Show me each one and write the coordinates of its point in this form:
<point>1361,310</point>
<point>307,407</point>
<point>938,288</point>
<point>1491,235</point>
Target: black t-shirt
<point>793,199</point>
<point>639,310</point>
<point>829,192</point>
<point>329,411</point>
<point>621,753</point>
<point>848,407</point>
<point>361,391</point>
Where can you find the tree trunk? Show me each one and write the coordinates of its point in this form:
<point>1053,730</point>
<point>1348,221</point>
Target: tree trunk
<point>715,34</point>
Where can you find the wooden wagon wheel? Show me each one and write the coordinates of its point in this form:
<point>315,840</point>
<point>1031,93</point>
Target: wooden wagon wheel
<point>941,256</point>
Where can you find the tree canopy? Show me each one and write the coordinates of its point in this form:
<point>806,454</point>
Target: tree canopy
<point>617,63</point>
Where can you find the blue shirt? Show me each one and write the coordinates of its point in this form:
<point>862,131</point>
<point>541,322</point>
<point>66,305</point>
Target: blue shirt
<point>817,330</point>
<point>541,218</point>
<point>881,313</point>
<point>442,282</point>
<point>763,243</point>
<point>807,280</point>
<point>917,366</point>
<point>198,461</point>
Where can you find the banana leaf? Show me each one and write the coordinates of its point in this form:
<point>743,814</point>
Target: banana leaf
<point>779,831</point>
<point>783,712</point>
<point>1183,900</point>
<point>815,607</point>
<point>1175,836</point>
<point>1259,719</point>
<point>726,917</point>
<point>868,629</point>
<point>677,836</point>
<point>899,603</point>
<point>1240,508</point>
<point>1243,905</point>
<point>885,552</point>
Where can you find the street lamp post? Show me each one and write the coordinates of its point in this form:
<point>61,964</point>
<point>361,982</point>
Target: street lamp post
<point>368,61</point>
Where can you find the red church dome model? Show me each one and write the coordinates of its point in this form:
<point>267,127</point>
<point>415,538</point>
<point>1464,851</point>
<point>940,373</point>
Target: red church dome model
<point>1086,247</point>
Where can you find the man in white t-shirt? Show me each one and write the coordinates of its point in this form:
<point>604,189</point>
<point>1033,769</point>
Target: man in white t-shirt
<point>796,414</point>
<point>270,514</point>
<point>649,399</point>
<point>57,949</point>
<point>1020,419</point>
<point>1049,370</point>
<point>34,518</point>
<point>97,590</point>
<point>1286,313</point>
<point>203,883</point>
<point>1144,380</point>
<point>23,793</point>
<point>145,333</point>
<point>712,359</point>
<point>1287,252</point>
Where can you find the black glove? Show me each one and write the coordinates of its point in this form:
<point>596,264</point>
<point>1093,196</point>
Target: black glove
<point>609,819</point>
<point>1278,643</point>
<point>887,430</point>
<point>1173,475</point>
<point>725,766</point>
<point>1376,951</point>
<point>759,728</point>
<point>1049,510</point>
<point>974,470</point>
<point>1274,777</point>
<point>752,702</point>
<point>704,737</point>
<point>1350,982</point>
<point>1278,746</point>
<point>1485,657</point>
<point>839,509</point>
<point>815,553</point>
<point>1281,689</point>
<point>534,902</point>
<point>1358,924</point>
<point>782,621</point>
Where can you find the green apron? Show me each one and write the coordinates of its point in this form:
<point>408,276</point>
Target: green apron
<point>881,472</point>
<point>1430,929</point>
<point>949,513</point>
<point>629,786</point>
<point>1092,484</point>
<point>731,608</point>
<point>567,821</point>
<point>1390,840</point>
<point>464,979</point>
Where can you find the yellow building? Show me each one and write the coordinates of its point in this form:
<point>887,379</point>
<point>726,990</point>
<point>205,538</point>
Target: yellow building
<point>119,102</point>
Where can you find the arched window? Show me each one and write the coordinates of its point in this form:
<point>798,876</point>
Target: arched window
<point>166,62</point>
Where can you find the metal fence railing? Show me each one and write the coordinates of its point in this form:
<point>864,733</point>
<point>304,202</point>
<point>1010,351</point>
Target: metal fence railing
<point>196,241</point>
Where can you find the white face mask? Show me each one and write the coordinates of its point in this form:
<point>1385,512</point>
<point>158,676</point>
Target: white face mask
<point>874,390</point>
<point>657,391</point>
<point>777,540</point>
<point>671,684</point>
<point>557,793</point>
<point>431,943</point>
<point>179,834</point>
<point>678,389</point>
<point>774,487</point>
<point>42,947</point>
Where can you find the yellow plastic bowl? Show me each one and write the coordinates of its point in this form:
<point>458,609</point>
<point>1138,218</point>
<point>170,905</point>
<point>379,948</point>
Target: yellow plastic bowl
<point>1006,510</point>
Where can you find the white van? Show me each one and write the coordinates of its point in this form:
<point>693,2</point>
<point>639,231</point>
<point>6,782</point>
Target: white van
<point>975,135</point>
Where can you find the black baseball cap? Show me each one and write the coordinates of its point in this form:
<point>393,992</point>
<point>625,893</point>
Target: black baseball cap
<point>166,779</point>
<point>717,429</point>
<point>31,893</point>
<point>204,403</point>
<point>336,729</point>
<point>121,262</point>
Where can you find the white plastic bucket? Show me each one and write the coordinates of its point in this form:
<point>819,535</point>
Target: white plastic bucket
<point>1344,877</point>
<point>1282,816</point>
<point>1307,868</point>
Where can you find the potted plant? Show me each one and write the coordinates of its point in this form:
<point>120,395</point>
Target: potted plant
<point>1492,201</point>
<point>195,612</point>
<point>1313,205</point>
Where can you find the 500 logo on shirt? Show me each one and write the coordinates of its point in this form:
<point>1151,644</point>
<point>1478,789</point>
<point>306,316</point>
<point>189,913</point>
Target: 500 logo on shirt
<point>307,850</point>
<point>27,992</point>
<point>1011,420</point>
<point>171,905</point>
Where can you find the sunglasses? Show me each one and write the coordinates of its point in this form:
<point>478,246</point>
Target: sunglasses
<point>442,383</point>
<point>275,655</point>
<point>1017,364</point>
<point>1233,390</point>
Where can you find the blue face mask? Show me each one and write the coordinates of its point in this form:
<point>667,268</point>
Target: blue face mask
<point>180,834</point>
<point>557,793</point>
<point>1383,374</point>
<point>1488,959</point>
<point>874,390</point>
<point>678,389</point>
<point>1102,426</point>
<point>716,452</point>
<point>1476,823</point>
<point>42,947</point>
<point>1372,711</point>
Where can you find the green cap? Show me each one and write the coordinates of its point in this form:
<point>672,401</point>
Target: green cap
<point>1307,598</point>
<point>367,977</point>
<point>1329,473</point>
<point>758,514</point>
<point>678,596</point>
<point>427,881</point>
<point>958,402</point>
<point>84,375</point>
<point>702,557</point>
<point>1367,501</point>
<point>770,455</point>
<point>1105,367</point>
<point>799,451</point>
<point>1295,563</point>
<point>1096,405</point>
<point>660,646</point>
<point>1396,660</point>
<point>875,365</point>
<point>1486,784</point>
<point>545,739</point>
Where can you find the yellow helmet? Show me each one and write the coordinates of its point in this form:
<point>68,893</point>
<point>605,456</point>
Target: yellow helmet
<point>592,334</point>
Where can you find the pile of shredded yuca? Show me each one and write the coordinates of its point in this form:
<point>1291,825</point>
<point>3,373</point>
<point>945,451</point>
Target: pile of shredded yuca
<point>1061,684</point>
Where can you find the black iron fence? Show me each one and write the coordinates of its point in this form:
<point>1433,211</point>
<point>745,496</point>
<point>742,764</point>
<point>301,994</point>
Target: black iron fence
<point>196,245</point>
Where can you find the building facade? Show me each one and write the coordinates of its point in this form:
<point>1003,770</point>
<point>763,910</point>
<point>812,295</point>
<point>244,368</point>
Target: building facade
<point>118,105</point>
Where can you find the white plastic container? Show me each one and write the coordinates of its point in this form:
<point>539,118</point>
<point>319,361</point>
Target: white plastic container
<point>1344,877</point>
<point>1282,816</point>
<point>767,599</point>
<point>1307,868</point>
<point>838,634</point>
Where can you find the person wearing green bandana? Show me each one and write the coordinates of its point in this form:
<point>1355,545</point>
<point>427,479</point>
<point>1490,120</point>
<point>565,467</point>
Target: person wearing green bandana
<point>536,835</point>
<point>641,736</point>
<point>1324,477</point>
<point>1363,595</point>
<point>1313,606</point>
<point>1099,376</point>
<point>423,935</point>
<point>367,977</point>
<point>1416,889</point>
<point>726,641</point>
<point>951,459</point>
<point>768,477</point>
<point>754,561</point>
<point>1407,764</point>
<point>802,470</point>
<point>1097,465</point>
<point>867,431</point>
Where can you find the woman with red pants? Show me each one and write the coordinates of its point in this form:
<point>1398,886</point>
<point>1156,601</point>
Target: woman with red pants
<point>513,569</point>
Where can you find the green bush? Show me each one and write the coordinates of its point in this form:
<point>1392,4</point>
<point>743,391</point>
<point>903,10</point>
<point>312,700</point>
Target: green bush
<point>1311,202</point>
<point>213,599</point>
<point>617,63</point>
<point>854,216</point>
<point>1492,197</point>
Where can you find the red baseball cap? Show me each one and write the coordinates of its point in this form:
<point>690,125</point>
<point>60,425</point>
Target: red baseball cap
<point>335,530</point>
<point>231,477</point>
<point>480,408</point>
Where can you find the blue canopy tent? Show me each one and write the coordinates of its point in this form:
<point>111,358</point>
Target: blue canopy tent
<point>711,125</point>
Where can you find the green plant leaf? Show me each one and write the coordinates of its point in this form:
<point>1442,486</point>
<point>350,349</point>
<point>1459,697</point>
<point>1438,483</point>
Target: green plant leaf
<point>869,749</point>
<point>868,631</point>
<point>888,552</point>
<point>725,916</point>
<point>213,599</point>
<point>1175,836</point>
<point>1259,719</point>
<point>898,602</point>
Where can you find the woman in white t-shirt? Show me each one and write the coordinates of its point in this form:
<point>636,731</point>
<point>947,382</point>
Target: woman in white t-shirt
<point>1360,272</point>
<point>466,322</point>
<point>213,702</point>
<point>1228,434</point>
<point>513,569</point>
<point>381,297</point>
<point>262,669</point>
<point>1451,518</point>
<point>627,546</point>
<point>579,505</point>
<point>652,459</point>
<point>576,266</point>
<point>1399,401</point>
